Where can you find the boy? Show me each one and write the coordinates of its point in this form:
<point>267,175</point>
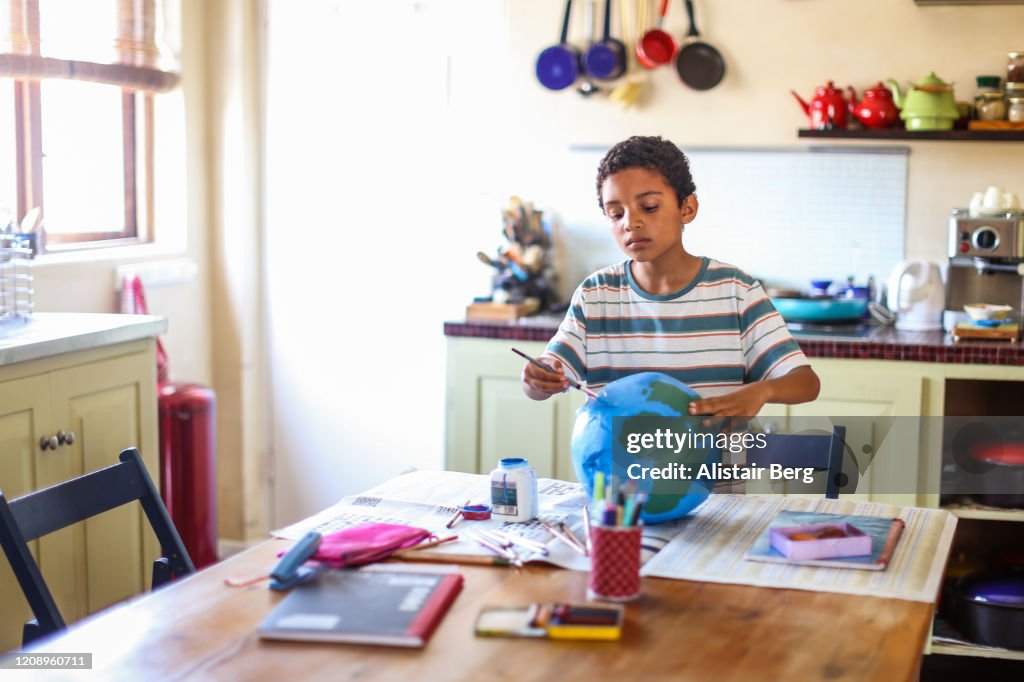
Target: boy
<point>706,323</point>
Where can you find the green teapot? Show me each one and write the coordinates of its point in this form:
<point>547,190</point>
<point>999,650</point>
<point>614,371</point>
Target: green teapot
<point>927,105</point>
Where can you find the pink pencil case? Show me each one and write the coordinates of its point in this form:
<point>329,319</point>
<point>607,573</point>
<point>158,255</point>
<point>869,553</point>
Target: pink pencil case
<point>820,541</point>
<point>367,543</point>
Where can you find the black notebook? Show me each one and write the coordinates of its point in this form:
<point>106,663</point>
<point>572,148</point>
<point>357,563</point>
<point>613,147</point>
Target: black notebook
<point>397,608</point>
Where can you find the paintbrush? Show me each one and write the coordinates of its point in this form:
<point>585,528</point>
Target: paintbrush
<point>538,363</point>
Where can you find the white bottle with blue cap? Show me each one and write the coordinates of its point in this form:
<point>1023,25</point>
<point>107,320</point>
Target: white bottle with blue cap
<point>514,490</point>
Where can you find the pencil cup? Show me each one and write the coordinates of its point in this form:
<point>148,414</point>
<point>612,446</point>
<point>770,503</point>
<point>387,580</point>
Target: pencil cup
<point>614,563</point>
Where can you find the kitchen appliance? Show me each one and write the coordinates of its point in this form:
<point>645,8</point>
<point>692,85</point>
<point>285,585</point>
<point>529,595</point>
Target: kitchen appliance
<point>916,295</point>
<point>986,263</point>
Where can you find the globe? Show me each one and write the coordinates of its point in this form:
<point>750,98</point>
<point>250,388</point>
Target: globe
<point>643,403</point>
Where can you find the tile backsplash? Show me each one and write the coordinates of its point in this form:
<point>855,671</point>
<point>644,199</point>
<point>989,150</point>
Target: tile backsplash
<point>785,216</point>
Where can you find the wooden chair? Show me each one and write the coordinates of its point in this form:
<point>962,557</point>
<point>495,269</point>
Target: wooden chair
<point>821,451</point>
<point>45,511</point>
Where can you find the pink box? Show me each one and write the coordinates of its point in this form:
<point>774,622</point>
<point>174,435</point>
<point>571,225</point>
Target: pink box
<point>854,542</point>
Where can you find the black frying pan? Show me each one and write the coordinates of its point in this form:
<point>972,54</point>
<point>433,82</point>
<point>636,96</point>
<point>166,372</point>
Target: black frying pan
<point>699,65</point>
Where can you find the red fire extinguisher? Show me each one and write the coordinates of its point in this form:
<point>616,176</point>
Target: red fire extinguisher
<point>188,466</point>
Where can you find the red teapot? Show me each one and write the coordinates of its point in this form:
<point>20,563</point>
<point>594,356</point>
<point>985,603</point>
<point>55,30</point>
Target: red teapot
<point>877,109</point>
<point>828,107</point>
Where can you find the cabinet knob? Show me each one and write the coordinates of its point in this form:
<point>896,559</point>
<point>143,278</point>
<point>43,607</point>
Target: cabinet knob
<point>68,437</point>
<point>48,443</point>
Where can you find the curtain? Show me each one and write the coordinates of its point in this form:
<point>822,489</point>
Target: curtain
<point>118,42</point>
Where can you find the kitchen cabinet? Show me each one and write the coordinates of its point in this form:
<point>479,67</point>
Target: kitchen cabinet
<point>488,417</point>
<point>866,401</point>
<point>90,404</point>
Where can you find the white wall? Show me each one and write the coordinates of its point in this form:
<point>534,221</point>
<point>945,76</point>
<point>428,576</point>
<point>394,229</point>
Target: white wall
<point>380,204</point>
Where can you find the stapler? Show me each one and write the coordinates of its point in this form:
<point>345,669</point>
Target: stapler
<point>290,570</point>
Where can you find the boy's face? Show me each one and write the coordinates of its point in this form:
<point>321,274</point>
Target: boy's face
<point>646,218</point>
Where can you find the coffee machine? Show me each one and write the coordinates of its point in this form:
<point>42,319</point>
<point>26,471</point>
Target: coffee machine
<point>986,262</point>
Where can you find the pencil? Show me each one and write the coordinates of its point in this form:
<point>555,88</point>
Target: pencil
<point>561,536</point>
<point>425,545</point>
<point>586,528</point>
<point>453,559</point>
<point>455,516</point>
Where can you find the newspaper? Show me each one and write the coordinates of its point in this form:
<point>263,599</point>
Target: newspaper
<point>428,499</point>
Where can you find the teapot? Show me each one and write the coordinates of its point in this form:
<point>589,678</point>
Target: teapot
<point>827,109</point>
<point>876,109</point>
<point>927,105</point>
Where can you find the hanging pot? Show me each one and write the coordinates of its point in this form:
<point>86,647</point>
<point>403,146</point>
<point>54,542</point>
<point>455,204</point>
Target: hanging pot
<point>606,59</point>
<point>699,65</point>
<point>559,65</point>
<point>656,47</point>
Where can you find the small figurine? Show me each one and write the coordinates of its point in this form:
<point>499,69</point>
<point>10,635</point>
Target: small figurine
<point>522,267</point>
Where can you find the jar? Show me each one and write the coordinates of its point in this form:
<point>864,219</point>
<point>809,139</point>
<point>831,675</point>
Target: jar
<point>514,490</point>
<point>1015,112</point>
<point>1015,67</point>
<point>989,102</point>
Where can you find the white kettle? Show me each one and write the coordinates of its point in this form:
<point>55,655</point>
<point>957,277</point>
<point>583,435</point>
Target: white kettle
<point>917,295</point>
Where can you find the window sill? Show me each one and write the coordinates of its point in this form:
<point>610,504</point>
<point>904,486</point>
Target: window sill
<point>106,254</point>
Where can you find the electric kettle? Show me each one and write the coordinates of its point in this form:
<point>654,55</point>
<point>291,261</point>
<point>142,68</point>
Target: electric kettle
<point>917,295</point>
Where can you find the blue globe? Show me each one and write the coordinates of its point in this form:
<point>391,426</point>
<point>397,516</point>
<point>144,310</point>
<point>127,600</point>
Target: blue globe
<point>598,446</point>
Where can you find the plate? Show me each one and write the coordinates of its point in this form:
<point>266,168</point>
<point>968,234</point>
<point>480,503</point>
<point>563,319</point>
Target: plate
<point>982,210</point>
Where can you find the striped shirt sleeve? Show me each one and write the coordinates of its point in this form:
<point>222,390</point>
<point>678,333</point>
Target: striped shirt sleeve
<point>769,350</point>
<point>569,343</point>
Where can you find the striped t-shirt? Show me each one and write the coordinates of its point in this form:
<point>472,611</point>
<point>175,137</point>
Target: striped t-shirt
<point>719,332</point>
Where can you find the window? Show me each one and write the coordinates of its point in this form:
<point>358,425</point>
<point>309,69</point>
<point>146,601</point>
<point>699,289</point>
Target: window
<point>76,89</point>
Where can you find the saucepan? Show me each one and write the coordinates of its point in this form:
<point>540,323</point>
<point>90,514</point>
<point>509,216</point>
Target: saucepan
<point>825,310</point>
<point>606,59</point>
<point>656,47</point>
<point>559,65</point>
<point>1002,484</point>
<point>989,608</point>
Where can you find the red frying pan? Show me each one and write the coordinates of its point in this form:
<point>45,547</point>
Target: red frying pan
<point>656,47</point>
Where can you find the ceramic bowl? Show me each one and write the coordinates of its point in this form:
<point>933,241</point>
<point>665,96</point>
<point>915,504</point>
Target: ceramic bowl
<point>987,311</point>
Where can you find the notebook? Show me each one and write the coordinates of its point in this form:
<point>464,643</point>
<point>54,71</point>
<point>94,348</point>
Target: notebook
<point>394,608</point>
<point>884,531</point>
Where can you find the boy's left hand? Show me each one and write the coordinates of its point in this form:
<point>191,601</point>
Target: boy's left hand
<point>744,402</point>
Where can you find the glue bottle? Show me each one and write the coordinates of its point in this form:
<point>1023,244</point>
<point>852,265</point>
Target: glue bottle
<point>514,490</point>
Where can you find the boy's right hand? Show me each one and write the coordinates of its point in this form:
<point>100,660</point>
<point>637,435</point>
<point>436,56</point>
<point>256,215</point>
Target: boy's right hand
<point>540,384</point>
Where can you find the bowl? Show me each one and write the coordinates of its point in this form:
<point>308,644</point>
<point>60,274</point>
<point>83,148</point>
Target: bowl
<point>987,311</point>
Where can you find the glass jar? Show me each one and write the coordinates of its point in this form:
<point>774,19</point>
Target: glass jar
<point>1015,67</point>
<point>989,102</point>
<point>1015,111</point>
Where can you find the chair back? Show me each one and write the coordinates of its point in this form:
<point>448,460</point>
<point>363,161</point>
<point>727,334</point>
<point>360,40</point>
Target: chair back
<point>45,511</point>
<point>823,452</point>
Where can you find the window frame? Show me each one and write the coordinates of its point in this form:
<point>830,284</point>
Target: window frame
<point>137,145</point>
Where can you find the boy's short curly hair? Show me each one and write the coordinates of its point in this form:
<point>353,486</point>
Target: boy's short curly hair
<point>652,153</point>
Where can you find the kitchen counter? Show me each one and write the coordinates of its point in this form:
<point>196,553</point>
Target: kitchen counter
<point>886,344</point>
<point>47,334</point>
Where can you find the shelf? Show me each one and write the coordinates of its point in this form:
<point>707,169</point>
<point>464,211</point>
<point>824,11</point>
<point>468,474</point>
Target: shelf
<point>901,134</point>
<point>950,649</point>
<point>978,511</point>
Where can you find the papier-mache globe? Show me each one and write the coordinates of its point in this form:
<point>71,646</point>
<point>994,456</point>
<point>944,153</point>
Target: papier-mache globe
<point>597,445</point>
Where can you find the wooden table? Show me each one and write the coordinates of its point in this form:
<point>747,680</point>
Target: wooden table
<point>199,628</point>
